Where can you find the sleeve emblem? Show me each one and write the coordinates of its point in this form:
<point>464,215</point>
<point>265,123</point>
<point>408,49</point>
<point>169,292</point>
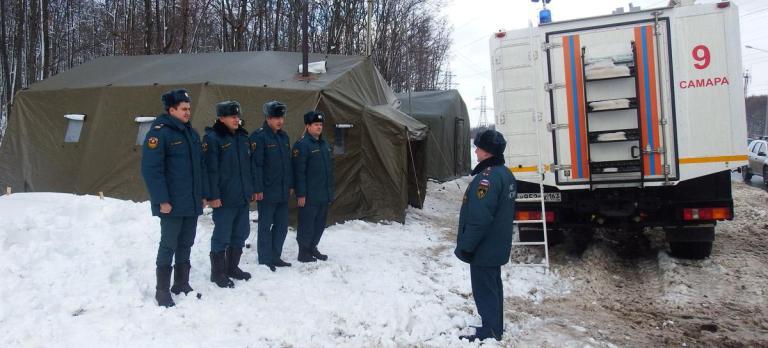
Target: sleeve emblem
<point>152,143</point>
<point>482,188</point>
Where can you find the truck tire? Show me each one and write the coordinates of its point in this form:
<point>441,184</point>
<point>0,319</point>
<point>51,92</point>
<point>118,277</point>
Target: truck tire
<point>691,250</point>
<point>746,174</point>
<point>765,176</point>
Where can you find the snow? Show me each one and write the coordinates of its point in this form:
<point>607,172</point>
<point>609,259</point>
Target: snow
<point>79,270</point>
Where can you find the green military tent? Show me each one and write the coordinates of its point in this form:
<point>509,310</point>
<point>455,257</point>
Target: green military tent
<point>447,146</point>
<point>79,131</point>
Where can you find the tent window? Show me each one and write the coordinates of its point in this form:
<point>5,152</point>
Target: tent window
<point>144,124</point>
<point>74,128</point>
<point>340,138</point>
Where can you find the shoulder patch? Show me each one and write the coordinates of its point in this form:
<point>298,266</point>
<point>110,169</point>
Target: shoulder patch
<point>482,188</point>
<point>152,142</point>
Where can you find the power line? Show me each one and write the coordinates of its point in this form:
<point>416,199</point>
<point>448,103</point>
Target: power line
<point>473,41</point>
<point>754,12</point>
<point>471,63</point>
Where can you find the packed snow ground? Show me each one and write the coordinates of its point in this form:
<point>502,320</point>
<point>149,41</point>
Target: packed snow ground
<point>79,271</point>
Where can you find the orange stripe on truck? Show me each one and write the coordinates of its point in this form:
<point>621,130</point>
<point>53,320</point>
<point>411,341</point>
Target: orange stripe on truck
<point>574,87</point>
<point>521,169</point>
<point>647,99</point>
<point>693,160</point>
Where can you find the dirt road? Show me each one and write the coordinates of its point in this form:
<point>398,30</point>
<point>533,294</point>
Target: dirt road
<point>650,299</point>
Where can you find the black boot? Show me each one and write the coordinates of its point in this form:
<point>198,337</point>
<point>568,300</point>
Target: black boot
<point>218,267</point>
<point>233,261</point>
<point>181,278</point>
<point>162,294</point>
<point>305,255</point>
<point>316,253</point>
<point>281,263</point>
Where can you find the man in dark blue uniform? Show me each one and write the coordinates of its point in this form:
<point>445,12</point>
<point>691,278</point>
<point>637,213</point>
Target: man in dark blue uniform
<point>272,184</point>
<point>172,167</point>
<point>228,162</point>
<point>484,238</point>
<point>314,184</point>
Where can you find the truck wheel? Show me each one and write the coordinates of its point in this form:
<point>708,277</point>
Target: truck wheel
<point>581,238</point>
<point>745,174</point>
<point>691,250</point>
<point>765,176</point>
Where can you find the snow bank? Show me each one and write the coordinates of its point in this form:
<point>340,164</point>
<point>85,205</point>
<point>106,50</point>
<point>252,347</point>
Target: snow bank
<point>79,270</point>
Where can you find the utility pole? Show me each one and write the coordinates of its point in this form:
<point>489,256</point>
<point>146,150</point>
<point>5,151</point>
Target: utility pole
<point>305,40</point>
<point>448,83</point>
<point>368,42</point>
<point>747,78</point>
<point>765,116</point>
<point>483,122</point>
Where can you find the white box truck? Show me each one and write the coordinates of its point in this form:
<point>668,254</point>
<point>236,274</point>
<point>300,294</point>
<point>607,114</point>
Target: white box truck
<point>637,120</point>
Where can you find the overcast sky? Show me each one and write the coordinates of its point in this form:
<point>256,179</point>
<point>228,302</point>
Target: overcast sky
<point>475,20</point>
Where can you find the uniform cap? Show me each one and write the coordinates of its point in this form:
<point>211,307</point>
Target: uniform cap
<point>274,108</point>
<point>228,108</point>
<point>174,97</point>
<point>492,142</point>
<point>313,116</point>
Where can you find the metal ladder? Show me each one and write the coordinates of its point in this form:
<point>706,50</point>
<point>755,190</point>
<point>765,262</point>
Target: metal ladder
<point>540,171</point>
<point>541,168</point>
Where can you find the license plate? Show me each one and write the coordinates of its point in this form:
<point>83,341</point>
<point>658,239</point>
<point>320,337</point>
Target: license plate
<point>548,196</point>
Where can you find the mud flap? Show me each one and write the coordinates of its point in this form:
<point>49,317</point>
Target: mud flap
<point>697,233</point>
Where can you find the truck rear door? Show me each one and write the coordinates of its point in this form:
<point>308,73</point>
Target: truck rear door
<point>605,88</point>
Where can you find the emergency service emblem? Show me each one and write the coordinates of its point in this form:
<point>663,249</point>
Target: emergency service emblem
<point>253,146</point>
<point>152,143</point>
<point>295,152</point>
<point>205,147</point>
<point>482,188</point>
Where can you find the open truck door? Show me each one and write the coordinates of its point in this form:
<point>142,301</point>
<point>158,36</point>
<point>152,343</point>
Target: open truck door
<point>609,91</point>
